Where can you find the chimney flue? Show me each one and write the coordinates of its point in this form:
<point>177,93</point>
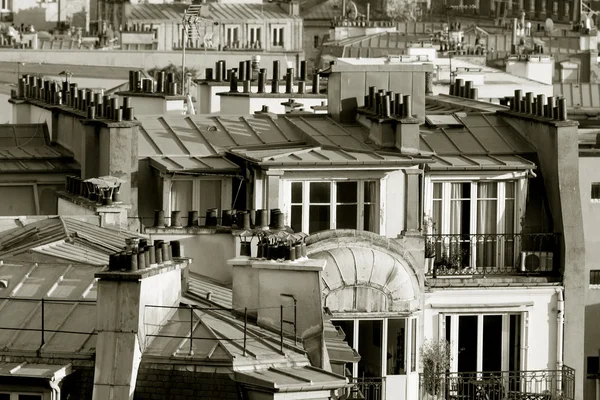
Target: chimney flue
<point>406,106</point>
<point>528,102</point>
<point>516,104</point>
<point>398,104</point>
<point>303,70</point>
<point>562,109</point>
<point>233,82</point>
<point>261,80</point>
<point>372,103</point>
<point>302,87</point>
<point>316,82</point>
<point>248,76</point>
<point>386,106</point>
<point>550,108</point>
<point>223,69</point>
<point>218,72</point>
<point>289,81</point>
<point>208,74</point>
<point>276,70</point>
<point>541,103</point>
<point>242,70</point>
<point>474,94</point>
<point>467,92</point>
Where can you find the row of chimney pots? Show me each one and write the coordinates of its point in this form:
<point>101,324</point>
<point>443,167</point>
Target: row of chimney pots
<point>95,104</point>
<point>388,104</point>
<point>460,88</point>
<point>139,255</point>
<point>257,219</point>
<point>105,196</point>
<point>554,108</point>
<point>165,83</point>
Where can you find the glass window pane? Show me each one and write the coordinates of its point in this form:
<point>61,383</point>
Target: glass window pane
<point>210,195</point>
<point>347,326</point>
<point>347,192</point>
<point>181,196</point>
<point>318,218</point>
<point>370,221</point>
<point>4,396</point>
<point>437,191</point>
<point>17,200</point>
<point>30,397</point>
<point>461,190</point>
<point>492,342</point>
<point>413,345</point>
<point>320,192</point>
<point>467,343</point>
<point>487,190</point>
<point>296,218</point>
<point>296,192</point>
<point>369,347</point>
<point>370,191</point>
<point>347,217</point>
<point>510,190</point>
<point>395,347</point>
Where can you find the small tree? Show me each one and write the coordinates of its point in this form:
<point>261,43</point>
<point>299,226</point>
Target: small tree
<point>176,69</point>
<point>435,356</point>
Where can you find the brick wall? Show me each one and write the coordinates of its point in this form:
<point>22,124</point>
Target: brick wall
<point>182,385</point>
<point>79,384</point>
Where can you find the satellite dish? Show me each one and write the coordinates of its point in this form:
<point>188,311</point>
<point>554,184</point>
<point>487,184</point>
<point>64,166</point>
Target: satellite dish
<point>351,10</point>
<point>549,25</point>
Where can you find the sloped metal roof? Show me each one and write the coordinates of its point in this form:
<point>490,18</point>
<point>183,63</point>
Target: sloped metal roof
<point>304,379</point>
<point>200,286</point>
<point>446,104</point>
<point>34,370</point>
<point>65,238</point>
<point>217,11</point>
<point>26,148</point>
<point>579,95</point>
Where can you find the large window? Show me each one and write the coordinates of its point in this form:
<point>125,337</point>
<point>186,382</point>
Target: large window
<point>277,36</point>
<point>322,205</point>
<point>385,345</point>
<point>475,222</point>
<point>484,342</point>
<point>254,37</point>
<point>232,36</point>
<point>197,194</point>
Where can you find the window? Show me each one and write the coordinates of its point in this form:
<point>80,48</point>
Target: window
<point>277,36</point>
<point>593,367</point>
<point>484,342</point>
<point>196,194</point>
<point>316,41</point>
<point>595,192</point>
<point>382,345</point>
<point>473,222</point>
<point>595,277</point>
<point>4,5</point>
<point>254,34</point>
<point>232,36</point>
<point>318,206</point>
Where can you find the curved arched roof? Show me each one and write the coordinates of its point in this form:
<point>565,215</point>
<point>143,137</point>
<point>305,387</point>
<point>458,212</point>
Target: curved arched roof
<point>363,274</point>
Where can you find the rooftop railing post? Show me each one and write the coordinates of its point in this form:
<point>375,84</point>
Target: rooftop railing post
<point>281,326</point>
<point>43,306</point>
<point>295,320</point>
<point>191,330</point>
<point>245,327</point>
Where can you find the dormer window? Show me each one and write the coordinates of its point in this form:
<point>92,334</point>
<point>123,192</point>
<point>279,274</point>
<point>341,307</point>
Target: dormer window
<point>321,205</point>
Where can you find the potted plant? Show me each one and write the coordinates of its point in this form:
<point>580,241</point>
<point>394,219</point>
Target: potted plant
<point>430,245</point>
<point>435,356</point>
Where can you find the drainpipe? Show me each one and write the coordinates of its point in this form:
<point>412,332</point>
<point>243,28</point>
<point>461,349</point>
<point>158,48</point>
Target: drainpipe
<point>55,390</point>
<point>560,318</point>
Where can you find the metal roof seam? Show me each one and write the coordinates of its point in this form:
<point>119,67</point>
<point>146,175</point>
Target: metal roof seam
<point>209,145</point>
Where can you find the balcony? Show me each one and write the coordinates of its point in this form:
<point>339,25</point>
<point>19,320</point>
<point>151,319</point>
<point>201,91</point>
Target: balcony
<point>534,254</point>
<point>504,385</point>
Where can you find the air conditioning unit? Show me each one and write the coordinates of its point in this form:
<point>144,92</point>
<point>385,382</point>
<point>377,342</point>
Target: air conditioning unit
<point>536,261</point>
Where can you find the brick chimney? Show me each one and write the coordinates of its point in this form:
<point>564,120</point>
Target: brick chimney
<point>390,120</point>
<point>348,83</point>
<point>124,321</point>
<point>263,286</point>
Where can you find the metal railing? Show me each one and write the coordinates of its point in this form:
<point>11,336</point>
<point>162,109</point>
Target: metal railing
<point>493,254</point>
<point>504,385</point>
<point>365,388</point>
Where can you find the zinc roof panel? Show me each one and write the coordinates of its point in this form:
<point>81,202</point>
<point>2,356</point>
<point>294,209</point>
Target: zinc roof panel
<point>516,141</point>
<point>146,146</point>
<point>14,314</point>
<point>465,141</point>
<point>165,142</point>
<point>491,140</point>
<point>54,314</point>
<point>438,142</point>
<point>78,321</point>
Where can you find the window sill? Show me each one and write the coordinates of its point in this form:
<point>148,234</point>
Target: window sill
<point>594,287</point>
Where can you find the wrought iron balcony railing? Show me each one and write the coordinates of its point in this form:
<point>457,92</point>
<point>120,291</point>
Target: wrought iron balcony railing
<point>492,254</point>
<point>505,385</point>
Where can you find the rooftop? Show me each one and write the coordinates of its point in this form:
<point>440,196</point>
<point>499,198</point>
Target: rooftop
<point>218,12</point>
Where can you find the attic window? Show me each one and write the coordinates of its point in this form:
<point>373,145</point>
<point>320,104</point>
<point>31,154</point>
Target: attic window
<point>442,120</point>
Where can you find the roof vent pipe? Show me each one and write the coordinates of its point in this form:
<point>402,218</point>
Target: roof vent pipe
<point>516,104</point>
<point>398,104</point>
<point>550,108</point>
<point>541,103</point>
<point>386,106</point>
<point>378,102</point>
<point>233,82</point>
<point>301,87</point>
<point>246,85</point>
<point>372,92</point>
<point>474,94</point>
<point>276,70</point>
<point>303,70</point>
<point>562,109</point>
<point>528,102</point>
<point>160,82</point>
<point>261,80</point>
<point>406,106</point>
<point>289,81</point>
<point>248,76</point>
<point>223,69</point>
<point>467,91</point>
<point>208,74</point>
<point>316,82</point>
<point>218,72</point>
<point>242,70</point>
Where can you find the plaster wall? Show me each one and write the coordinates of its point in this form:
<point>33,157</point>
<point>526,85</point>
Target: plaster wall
<point>557,146</point>
<point>198,247</point>
<point>539,304</point>
<point>40,116</point>
<point>588,174</point>
<point>140,59</point>
<point>391,211</point>
<point>210,102</point>
<point>540,71</point>
<point>249,105</point>
<point>6,111</point>
<point>147,105</point>
<point>68,208</point>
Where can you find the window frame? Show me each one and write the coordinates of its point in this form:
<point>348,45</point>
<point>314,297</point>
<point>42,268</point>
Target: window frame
<point>258,29</point>
<point>333,203</point>
<point>520,193</point>
<point>225,190</point>
<point>594,185</point>
<point>281,32</point>
<point>410,338</point>
<point>233,27</point>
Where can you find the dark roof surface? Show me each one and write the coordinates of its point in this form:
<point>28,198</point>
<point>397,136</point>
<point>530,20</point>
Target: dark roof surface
<point>27,148</point>
<point>580,95</point>
<point>218,11</point>
<point>66,239</point>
